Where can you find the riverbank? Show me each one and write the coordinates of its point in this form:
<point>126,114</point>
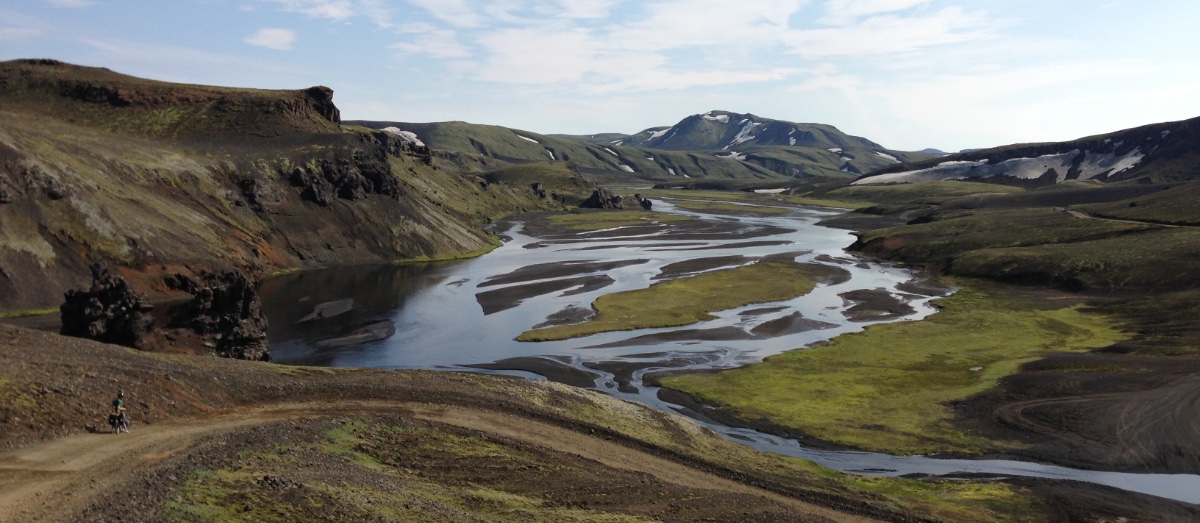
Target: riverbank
<point>232,440</point>
<point>900,388</point>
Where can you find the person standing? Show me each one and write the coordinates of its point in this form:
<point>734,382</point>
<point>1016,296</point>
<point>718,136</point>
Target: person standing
<point>121,423</point>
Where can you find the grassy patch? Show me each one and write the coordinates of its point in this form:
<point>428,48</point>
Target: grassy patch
<point>728,196</point>
<point>687,300</point>
<point>598,220</point>
<point>29,312</point>
<point>719,207</point>
<point>887,388</point>
<point>1176,205</point>
<point>926,192</point>
<point>824,202</point>
<point>1046,246</point>
<point>344,441</point>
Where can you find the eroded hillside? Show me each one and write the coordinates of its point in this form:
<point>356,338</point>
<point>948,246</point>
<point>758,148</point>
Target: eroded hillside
<point>160,179</point>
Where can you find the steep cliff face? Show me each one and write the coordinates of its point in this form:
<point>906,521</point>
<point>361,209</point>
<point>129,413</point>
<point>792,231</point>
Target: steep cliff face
<point>156,179</point>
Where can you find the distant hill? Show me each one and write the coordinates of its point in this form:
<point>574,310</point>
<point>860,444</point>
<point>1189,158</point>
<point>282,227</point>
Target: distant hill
<point>475,147</point>
<point>1157,153</point>
<point>717,144</point>
<point>723,130</point>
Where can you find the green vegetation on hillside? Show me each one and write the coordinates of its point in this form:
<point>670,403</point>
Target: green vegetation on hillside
<point>1045,246</point>
<point>890,388</point>
<point>687,300</point>
<point>1177,205</point>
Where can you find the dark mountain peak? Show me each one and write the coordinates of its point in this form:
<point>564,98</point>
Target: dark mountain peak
<point>727,130</point>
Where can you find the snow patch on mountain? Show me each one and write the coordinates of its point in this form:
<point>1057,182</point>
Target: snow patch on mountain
<point>626,168</point>
<point>723,118</point>
<point>745,135</point>
<point>551,153</point>
<point>834,150</point>
<point>404,136</point>
<point>733,155</point>
<point>528,139</point>
<point>657,134</point>
<point>887,156</point>
<point>1089,164</point>
<point>791,140</point>
<point>672,171</point>
<point>612,152</point>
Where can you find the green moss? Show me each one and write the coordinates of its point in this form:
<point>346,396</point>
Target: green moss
<point>344,441</point>
<point>888,388</point>
<point>29,312</point>
<point>685,301</point>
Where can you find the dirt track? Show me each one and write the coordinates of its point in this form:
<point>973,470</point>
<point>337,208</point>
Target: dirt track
<point>56,480</point>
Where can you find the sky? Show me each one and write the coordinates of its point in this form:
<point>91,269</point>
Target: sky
<point>908,74</point>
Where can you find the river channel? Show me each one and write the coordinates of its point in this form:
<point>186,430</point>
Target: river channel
<point>464,316</point>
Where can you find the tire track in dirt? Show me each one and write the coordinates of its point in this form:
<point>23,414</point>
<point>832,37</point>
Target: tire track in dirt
<point>53,480</point>
<point>1145,430</point>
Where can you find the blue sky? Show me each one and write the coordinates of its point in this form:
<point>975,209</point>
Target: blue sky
<point>908,74</point>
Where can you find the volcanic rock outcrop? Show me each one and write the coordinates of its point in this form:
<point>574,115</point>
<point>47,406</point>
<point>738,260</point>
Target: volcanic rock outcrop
<point>602,199</point>
<point>226,309</point>
<point>109,311</point>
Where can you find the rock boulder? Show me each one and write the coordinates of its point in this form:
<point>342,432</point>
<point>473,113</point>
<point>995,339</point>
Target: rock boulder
<point>109,311</point>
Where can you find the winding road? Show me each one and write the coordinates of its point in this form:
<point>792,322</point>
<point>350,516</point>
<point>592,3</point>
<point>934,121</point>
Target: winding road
<point>56,480</point>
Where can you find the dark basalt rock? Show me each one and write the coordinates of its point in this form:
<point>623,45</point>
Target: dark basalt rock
<point>109,312</point>
<point>7,193</point>
<point>644,202</point>
<point>603,199</point>
<point>351,177</point>
<point>225,308</point>
<point>262,197</point>
<point>321,100</point>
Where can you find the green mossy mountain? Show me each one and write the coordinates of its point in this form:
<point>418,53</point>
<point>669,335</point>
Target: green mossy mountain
<point>157,179</point>
<point>715,145</point>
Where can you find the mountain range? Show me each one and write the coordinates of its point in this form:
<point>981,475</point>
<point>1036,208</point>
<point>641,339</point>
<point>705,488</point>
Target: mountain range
<point>160,178</point>
<point>1156,153</point>
<point>716,144</point>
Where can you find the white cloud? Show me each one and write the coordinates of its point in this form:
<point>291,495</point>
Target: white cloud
<point>17,33</point>
<point>190,65</point>
<point>69,3</point>
<point>429,40</point>
<point>586,9</point>
<point>332,9</point>
<point>458,13</point>
<point>675,24</point>
<point>891,34</point>
<point>840,12</point>
<point>272,38</point>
